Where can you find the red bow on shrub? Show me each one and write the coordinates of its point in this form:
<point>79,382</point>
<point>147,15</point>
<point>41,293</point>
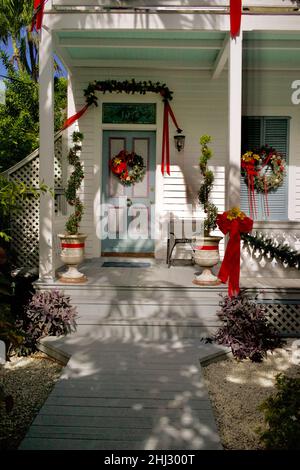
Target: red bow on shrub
<point>234,223</point>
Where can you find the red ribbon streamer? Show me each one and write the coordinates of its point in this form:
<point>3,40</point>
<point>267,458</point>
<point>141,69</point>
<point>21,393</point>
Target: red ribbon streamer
<point>166,141</point>
<point>230,268</point>
<point>37,19</point>
<point>267,210</point>
<point>72,245</point>
<point>165,159</point>
<point>235,17</point>
<point>251,173</point>
<point>74,118</point>
<point>206,247</point>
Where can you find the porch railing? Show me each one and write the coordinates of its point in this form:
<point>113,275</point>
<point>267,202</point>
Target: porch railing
<point>255,264</point>
<point>217,6</point>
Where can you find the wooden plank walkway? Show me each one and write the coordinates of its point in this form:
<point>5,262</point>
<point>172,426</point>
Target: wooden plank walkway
<point>117,394</point>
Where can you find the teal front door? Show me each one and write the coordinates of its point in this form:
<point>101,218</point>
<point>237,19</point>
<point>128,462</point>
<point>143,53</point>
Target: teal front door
<point>127,212</point>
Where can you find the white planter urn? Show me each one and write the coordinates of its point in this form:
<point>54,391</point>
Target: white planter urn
<point>72,254</point>
<point>206,255</point>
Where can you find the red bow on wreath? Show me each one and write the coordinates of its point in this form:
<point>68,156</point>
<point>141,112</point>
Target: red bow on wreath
<point>233,222</point>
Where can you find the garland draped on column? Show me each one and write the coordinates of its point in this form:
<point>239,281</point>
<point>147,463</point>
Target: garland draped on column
<point>131,87</point>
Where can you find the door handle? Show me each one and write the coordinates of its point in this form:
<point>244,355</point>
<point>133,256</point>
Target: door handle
<point>129,202</point>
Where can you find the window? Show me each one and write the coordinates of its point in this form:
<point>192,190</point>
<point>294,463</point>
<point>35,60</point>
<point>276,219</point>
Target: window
<point>273,131</point>
<point>129,113</point>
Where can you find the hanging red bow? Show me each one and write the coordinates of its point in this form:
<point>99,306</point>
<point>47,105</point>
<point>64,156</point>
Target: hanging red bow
<point>230,268</point>
<point>38,13</point>
<point>235,17</point>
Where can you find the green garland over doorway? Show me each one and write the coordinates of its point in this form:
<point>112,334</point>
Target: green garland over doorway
<point>131,87</point>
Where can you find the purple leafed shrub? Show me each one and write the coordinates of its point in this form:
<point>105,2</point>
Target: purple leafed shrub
<point>245,328</point>
<point>47,314</point>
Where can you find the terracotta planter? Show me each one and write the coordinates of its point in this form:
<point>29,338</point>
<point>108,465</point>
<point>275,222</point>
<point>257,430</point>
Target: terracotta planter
<point>72,254</point>
<point>206,255</point>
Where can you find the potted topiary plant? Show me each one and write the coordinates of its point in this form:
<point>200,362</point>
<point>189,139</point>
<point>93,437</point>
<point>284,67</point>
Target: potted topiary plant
<point>72,241</point>
<point>205,246</point>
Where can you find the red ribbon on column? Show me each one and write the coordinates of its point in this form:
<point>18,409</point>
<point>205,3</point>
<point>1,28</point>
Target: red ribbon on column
<point>235,17</point>
<point>166,141</point>
<point>230,268</point>
<point>74,118</point>
<point>37,19</point>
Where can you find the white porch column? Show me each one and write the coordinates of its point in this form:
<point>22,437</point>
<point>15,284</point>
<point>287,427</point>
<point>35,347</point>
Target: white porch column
<point>235,118</point>
<point>46,98</point>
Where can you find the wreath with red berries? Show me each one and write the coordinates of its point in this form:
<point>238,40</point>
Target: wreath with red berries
<point>265,166</point>
<point>128,167</point>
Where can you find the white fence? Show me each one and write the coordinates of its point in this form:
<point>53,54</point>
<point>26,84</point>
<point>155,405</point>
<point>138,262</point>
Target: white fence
<point>25,225</point>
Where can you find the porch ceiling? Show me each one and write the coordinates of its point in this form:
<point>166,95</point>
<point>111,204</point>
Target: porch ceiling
<point>181,49</point>
<point>129,48</point>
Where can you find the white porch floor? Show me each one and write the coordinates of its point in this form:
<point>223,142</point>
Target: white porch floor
<point>159,275</point>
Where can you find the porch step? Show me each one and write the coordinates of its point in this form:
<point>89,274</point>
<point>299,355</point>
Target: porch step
<point>141,312</point>
<point>159,310</point>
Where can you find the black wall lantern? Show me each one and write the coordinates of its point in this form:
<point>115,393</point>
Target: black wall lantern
<point>179,140</point>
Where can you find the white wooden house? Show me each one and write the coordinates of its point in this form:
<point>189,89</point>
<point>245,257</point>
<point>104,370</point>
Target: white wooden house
<point>217,82</point>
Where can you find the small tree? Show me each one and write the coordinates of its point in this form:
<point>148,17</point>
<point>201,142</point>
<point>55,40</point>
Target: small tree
<point>74,183</point>
<point>210,209</point>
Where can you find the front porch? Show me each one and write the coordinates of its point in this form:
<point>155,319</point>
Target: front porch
<point>216,80</point>
<point>156,302</point>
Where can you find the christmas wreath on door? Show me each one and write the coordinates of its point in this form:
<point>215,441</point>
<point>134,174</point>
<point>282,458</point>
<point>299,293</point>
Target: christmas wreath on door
<point>128,167</point>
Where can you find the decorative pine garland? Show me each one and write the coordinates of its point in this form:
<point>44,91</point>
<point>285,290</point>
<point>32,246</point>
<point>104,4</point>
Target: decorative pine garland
<point>128,86</point>
<point>74,183</point>
<point>269,247</point>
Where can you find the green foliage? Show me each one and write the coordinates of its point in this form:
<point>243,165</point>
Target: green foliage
<point>60,101</point>
<point>74,182</point>
<point>272,249</point>
<point>15,16</point>
<point>282,415</point>
<point>205,189</point>
<point>19,128</point>
<point>245,328</point>
<point>48,313</point>
<point>9,333</point>
<point>12,194</point>
<point>19,117</point>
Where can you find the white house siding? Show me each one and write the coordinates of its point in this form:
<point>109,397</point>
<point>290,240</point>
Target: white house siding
<point>200,106</point>
<point>268,93</point>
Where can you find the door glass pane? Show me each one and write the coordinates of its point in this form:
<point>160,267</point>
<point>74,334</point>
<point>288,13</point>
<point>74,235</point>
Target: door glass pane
<point>133,113</point>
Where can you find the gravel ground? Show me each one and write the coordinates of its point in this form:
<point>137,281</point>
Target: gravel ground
<point>237,388</point>
<point>29,380</point>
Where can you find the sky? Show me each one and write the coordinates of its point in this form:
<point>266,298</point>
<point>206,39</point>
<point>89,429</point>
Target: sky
<point>8,49</point>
